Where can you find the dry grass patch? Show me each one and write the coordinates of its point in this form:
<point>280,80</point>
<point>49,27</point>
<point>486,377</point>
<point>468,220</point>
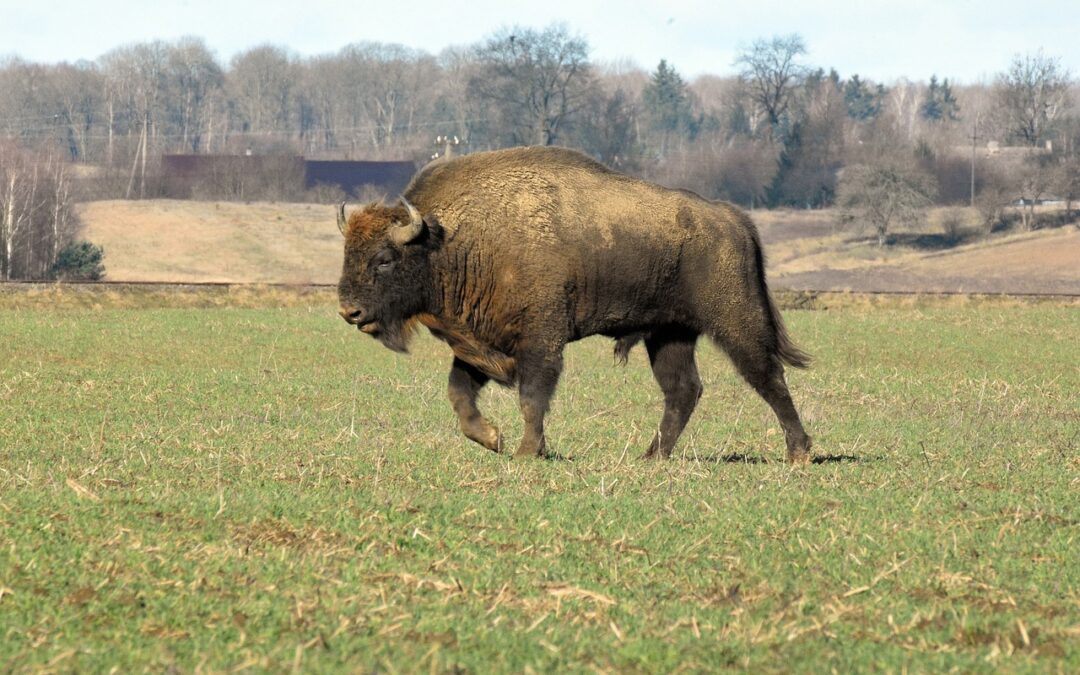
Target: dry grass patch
<point>190,241</point>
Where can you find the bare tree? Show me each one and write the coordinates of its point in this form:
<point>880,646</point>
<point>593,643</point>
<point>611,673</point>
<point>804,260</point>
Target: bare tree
<point>138,76</point>
<point>261,84</point>
<point>902,105</point>
<point>883,194</point>
<point>466,116</point>
<point>771,71</point>
<point>36,214</point>
<point>77,95</point>
<point>193,77</point>
<point>1033,178</point>
<point>744,170</point>
<point>993,197</point>
<point>538,80</point>
<point>1067,183</point>
<point>609,130</point>
<point>1031,94</point>
<point>28,109</point>
<point>369,99</point>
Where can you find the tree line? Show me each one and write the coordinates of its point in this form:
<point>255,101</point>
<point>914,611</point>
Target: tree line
<point>779,132</point>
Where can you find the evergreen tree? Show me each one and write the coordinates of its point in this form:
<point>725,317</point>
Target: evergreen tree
<point>79,261</point>
<point>939,104</point>
<point>667,105</point>
<point>949,107</point>
<point>863,103</point>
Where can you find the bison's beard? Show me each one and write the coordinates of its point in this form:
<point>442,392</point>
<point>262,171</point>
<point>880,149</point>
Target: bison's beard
<point>395,334</point>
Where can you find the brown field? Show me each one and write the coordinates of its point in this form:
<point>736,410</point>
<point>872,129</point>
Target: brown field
<point>190,242</point>
<point>809,251</point>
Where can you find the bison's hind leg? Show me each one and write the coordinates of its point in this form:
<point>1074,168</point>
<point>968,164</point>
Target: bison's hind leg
<point>463,389</point>
<point>671,354</point>
<point>760,366</point>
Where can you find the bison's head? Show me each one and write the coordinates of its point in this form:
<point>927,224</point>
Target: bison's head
<point>386,276</point>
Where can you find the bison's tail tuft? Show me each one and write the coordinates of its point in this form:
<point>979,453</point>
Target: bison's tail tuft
<point>784,349</point>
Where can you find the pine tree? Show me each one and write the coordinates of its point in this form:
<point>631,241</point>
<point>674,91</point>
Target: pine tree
<point>667,105</point>
<point>863,103</point>
<point>949,107</point>
<point>939,104</point>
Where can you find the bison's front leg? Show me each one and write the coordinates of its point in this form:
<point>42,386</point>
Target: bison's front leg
<point>463,389</point>
<point>537,378</point>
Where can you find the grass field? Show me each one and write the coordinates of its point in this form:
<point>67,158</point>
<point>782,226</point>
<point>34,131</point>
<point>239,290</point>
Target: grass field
<point>231,488</point>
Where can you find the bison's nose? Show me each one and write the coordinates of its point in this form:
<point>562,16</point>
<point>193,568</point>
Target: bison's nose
<point>351,314</point>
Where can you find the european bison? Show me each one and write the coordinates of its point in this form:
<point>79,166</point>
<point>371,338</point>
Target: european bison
<point>509,255</point>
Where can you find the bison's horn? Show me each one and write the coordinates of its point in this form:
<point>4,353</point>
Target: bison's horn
<point>341,218</point>
<point>403,234</point>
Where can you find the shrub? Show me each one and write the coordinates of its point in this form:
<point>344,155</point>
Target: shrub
<point>79,261</point>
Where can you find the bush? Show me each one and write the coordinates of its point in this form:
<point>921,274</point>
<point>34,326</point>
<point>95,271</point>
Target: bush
<point>79,261</point>
<point>954,223</point>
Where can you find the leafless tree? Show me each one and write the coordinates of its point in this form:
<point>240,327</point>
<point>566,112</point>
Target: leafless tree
<point>370,100</point>
<point>1031,94</point>
<point>76,93</point>
<point>193,78</point>
<point>36,214</point>
<point>1033,178</point>
<point>467,116</point>
<point>993,198</point>
<point>902,106</point>
<point>1067,183</point>
<point>137,74</point>
<point>744,170</point>
<point>27,109</point>
<point>884,194</point>
<point>537,79</point>
<point>261,85</point>
<point>772,73</point>
<point>608,130</point>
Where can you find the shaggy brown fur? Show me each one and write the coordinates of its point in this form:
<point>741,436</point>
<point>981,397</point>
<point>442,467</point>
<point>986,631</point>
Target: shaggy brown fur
<point>515,253</point>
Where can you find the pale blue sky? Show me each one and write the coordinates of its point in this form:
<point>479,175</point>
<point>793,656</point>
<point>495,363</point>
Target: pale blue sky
<point>960,39</point>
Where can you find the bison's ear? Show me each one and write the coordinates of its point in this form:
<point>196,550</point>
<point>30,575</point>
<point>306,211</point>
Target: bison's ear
<point>341,218</point>
<point>410,231</point>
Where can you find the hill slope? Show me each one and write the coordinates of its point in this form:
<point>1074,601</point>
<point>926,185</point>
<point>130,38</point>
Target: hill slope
<point>187,241</point>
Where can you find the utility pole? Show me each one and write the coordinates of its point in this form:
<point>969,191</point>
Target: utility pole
<point>974,139</point>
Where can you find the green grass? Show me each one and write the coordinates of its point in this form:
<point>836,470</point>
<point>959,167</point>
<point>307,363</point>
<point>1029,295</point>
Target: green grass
<point>224,488</point>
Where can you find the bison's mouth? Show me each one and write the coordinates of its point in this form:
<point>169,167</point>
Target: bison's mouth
<point>370,327</point>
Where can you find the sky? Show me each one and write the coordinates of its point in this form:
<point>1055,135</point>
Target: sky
<point>965,41</point>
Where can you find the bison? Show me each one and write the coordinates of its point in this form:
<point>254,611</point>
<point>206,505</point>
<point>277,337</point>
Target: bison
<point>509,255</point>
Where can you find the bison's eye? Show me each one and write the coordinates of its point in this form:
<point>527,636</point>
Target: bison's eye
<point>383,261</point>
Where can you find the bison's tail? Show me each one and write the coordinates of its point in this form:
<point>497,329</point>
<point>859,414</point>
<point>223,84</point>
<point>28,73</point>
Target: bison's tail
<point>784,349</point>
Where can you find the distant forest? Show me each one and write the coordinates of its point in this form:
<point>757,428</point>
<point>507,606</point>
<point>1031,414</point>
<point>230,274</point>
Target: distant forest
<point>781,133</point>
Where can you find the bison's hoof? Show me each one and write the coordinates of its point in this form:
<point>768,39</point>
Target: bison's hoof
<point>654,452</point>
<point>798,458</point>
<point>487,436</point>
<point>529,450</point>
<point>492,440</point>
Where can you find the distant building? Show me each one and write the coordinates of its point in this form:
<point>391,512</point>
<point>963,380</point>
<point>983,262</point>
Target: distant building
<point>388,177</point>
